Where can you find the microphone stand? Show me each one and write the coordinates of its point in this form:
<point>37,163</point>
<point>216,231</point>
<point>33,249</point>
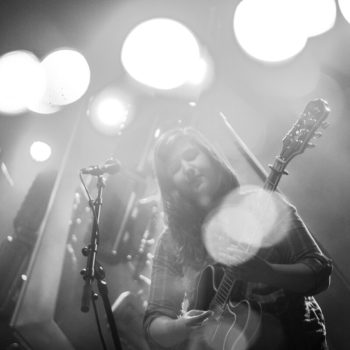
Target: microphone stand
<point>94,269</point>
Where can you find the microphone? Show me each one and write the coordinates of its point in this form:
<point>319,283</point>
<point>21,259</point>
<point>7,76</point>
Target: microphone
<point>111,166</point>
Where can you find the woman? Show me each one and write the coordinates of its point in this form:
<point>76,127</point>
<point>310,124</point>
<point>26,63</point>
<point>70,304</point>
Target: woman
<point>193,180</point>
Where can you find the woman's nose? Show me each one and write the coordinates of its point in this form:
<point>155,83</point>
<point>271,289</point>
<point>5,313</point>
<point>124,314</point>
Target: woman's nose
<point>189,170</point>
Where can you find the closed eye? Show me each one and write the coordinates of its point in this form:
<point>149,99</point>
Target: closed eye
<point>174,166</point>
<point>190,154</point>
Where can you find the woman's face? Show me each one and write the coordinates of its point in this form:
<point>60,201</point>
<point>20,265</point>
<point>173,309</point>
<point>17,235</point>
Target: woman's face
<point>193,173</point>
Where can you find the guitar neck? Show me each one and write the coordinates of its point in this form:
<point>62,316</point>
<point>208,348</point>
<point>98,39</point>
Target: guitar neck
<point>277,170</point>
<point>223,292</point>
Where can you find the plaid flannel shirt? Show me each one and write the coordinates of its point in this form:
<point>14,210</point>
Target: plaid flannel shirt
<point>302,317</point>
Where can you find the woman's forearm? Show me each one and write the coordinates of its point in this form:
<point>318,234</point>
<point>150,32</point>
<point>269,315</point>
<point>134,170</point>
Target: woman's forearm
<point>298,278</point>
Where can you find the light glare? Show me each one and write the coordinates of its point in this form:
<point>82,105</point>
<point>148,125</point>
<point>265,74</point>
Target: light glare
<point>199,72</point>
<point>344,6</point>
<point>266,29</point>
<point>40,151</point>
<point>68,76</point>
<point>276,30</point>
<point>22,81</point>
<point>160,53</point>
<point>318,21</point>
<point>110,111</point>
<point>243,224</point>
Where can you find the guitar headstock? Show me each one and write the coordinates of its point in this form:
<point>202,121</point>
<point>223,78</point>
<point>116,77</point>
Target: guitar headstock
<point>304,129</point>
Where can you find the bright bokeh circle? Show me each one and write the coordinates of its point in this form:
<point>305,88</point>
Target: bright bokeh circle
<point>318,16</point>
<point>40,151</point>
<point>245,222</point>
<point>160,53</point>
<point>110,111</point>
<point>265,32</point>
<point>277,30</point>
<point>68,76</point>
<point>22,81</point>
<point>344,6</point>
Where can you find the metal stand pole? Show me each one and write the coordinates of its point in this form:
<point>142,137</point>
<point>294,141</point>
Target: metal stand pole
<point>95,270</point>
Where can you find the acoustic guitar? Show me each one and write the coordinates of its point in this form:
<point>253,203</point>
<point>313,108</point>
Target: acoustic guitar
<point>234,325</point>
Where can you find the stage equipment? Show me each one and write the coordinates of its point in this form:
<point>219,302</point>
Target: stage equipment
<point>94,269</point>
<point>16,249</point>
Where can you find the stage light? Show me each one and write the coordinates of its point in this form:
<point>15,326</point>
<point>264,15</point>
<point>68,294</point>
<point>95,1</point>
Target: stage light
<point>344,6</point>
<point>277,30</point>
<point>67,75</point>
<point>267,30</point>
<point>317,16</point>
<point>22,81</point>
<point>40,151</point>
<point>43,106</point>
<point>110,111</point>
<point>160,53</point>
<point>199,72</point>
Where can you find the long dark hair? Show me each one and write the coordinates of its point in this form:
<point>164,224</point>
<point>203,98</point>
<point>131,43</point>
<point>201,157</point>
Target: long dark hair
<point>183,217</point>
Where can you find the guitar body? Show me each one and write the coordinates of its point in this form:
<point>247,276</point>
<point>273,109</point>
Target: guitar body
<point>236,328</point>
<point>233,326</point>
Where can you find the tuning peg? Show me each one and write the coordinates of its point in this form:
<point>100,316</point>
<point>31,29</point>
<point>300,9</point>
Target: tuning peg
<point>325,125</point>
<point>150,256</point>
<point>85,251</point>
<point>317,134</point>
<point>150,242</point>
<point>310,145</point>
<point>129,257</point>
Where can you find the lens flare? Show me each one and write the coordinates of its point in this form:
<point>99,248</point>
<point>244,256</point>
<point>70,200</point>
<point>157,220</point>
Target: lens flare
<point>161,53</point>
<point>40,151</point>
<point>247,220</point>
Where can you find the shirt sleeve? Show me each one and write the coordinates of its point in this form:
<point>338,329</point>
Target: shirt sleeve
<point>166,291</point>
<point>300,247</point>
